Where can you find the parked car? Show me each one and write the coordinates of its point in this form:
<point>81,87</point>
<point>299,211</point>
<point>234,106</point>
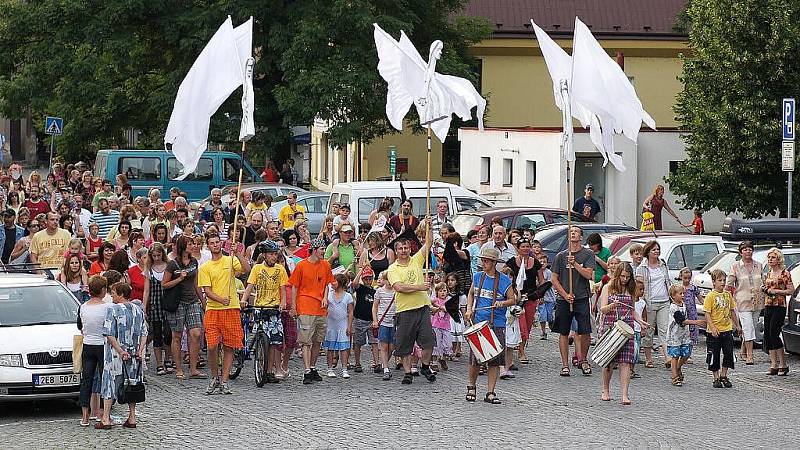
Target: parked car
<point>275,190</point>
<point>616,240</point>
<point>791,331</point>
<point>316,205</point>
<point>554,237</point>
<point>365,196</point>
<point>681,250</point>
<point>511,217</point>
<point>148,169</point>
<point>37,321</point>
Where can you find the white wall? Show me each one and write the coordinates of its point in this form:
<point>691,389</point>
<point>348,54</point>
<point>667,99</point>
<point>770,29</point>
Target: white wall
<point>520,147</point>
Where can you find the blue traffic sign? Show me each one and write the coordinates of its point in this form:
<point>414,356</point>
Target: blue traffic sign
<point>788,119</point>
<point>53,125</point>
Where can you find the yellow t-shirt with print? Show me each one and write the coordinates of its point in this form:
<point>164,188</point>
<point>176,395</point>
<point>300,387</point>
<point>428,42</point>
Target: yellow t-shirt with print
<point>217,275</point>
<point>719,306</point>
<point>286,215</point>
<point>409,274</point>
<point>269,282</point>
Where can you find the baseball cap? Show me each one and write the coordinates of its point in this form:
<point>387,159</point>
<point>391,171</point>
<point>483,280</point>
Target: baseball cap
<point>345,227</point>
<point>367,272</point>
<point>317,243</point>
<point>9,213</point>
<point>589,186</point>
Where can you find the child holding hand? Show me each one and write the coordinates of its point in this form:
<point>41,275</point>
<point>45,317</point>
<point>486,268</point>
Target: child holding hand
<point>679,339</point>
<point>440,320</point>
<point>720,321</point>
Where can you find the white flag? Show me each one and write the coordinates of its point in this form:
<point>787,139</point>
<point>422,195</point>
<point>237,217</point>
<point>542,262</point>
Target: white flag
<point>218,71</point>
<point>600,85</point>
<point>401,65</point>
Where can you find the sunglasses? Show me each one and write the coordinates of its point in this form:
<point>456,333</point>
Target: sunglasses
<point>31,225</point>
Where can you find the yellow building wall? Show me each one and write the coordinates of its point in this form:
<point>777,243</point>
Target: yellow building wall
<point>519,91</point>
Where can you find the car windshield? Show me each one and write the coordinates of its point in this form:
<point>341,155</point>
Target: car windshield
<point>723,262</point>
<point>465,222</point>
<point>36,305</point>
<point>553,239</point>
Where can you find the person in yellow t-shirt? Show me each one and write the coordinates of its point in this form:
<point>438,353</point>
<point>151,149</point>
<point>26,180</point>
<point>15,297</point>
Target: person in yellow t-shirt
<point>269,280</point>
<point>719,309</point>
<point>222,319</point>
<point>286,214</point>
<point>49,245</point>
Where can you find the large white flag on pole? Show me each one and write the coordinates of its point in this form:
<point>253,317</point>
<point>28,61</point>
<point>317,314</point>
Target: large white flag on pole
<point>223,66</point>
<point>412,81</point>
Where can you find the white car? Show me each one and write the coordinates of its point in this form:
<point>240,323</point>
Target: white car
<point>681,250</point>
<point>37,324</point>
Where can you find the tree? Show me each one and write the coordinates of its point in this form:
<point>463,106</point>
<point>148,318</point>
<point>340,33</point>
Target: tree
<point>115,65</point>
<point>743,61</point>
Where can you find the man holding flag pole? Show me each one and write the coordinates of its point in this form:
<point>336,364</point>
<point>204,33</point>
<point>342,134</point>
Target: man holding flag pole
<point>225,63</point>
<point>436,97</point>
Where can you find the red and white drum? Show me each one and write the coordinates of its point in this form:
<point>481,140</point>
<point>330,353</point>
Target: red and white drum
<point>483,341</point>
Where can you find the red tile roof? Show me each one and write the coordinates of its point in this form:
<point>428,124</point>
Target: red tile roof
<point>624,18</point>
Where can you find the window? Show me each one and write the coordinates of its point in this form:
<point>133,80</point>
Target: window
<point>675,260</point>
<point>508,172</point>
<point>451,156</point>
<point>470,204</point>
<point>345,198</point>
<point>272,192</point>
<point>673,167</point>
<point>100,166</point>
<point>334,199</point>
<point>203,172</point>
<point>230,170</point>
<point>698,255</point>
<point>560,217</point>
<point>141,169</point>
<point>532,221</point>
<point>530,174</point>
<point>418,203</point>
<point>486,174</point>
<point>368,204</point>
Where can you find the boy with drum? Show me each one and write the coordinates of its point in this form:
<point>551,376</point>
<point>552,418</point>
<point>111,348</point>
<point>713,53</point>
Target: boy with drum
<point>487,300</point>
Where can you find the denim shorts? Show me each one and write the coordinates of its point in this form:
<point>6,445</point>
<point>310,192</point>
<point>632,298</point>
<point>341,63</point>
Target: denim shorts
<point>386,334</point>
<point>679,351</point>
<point>547,312</point>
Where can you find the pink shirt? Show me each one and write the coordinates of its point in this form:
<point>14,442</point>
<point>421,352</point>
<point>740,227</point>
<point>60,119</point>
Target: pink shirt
<point>441,319</point>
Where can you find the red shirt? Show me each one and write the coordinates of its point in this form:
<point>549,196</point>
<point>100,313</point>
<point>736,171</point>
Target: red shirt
<point>136,277</point>
<point>269,176</point>
<point>36,208</point>
<point>699,228</point>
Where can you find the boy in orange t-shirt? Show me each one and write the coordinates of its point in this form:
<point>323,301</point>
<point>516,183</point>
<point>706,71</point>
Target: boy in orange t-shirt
<point>309,282</point>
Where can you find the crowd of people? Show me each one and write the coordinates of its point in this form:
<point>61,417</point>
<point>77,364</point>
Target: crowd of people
<point>159,282</point>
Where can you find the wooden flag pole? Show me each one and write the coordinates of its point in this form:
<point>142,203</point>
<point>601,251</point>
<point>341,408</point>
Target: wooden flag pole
<point>238,199</point>
<point>569,229</point>
<point>428,208</point>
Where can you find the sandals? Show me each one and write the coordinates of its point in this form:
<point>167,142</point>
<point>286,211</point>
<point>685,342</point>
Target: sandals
<point>649,365</point>
<point>586,369</point>
<point>772,371</point>
<point>471,393</point>
<point>668,365</point>
<point>680,375</point>
<point>407,379</point>
<point>676,381</point>
<point>180,376</point>
<point>605,397</point>
<point>564,371</point>
<point>524,361</point>
<point>160,371</point>
<point>491,397</point>
<point>783,371</point>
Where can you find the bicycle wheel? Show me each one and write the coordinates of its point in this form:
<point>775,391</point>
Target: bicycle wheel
<point>238,363</point>
<point>260,359</point>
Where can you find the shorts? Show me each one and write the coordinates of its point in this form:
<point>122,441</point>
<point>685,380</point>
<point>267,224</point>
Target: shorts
<point>225,326</point>
<point>188,315</point>
<point>312,329</point>
<point>498,360</point>
<point>386,334</point>
<point>547,312</point>
<point>362,333</point>
<point>289,331</point>
<point>679,351</point>
<point>513,335</point>
<point>413,326</point>
<point>724,344</point>
<point>273,327</point>
<point>580,312</point>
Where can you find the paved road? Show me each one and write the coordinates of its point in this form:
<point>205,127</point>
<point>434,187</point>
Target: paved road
<point>540,409</point>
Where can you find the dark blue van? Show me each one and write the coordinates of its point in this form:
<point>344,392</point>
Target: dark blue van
<point>147,169</point>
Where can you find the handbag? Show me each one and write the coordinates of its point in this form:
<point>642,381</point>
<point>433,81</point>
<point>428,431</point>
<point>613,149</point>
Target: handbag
<point>171,298</point>
<point>131,392</point>
<point>77,353</point>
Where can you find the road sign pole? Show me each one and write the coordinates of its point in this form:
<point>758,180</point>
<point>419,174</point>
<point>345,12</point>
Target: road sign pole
<point>787,149</point>
<point>789,205</point>
<point>52,146</point>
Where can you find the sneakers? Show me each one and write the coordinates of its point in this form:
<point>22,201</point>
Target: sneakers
<point>345,374</point>
<point>717,383</point>
<point>213,385</point>
<point>307,378</point>
<point>315,375</point>
<point>224,389</point>
<point>377,369</point>
<point>543,337</point>
<point>506,375</point>
<point>387,375</point>
<point>271,378</point>
<point>407,379</point>
<point>427,373</point>
<point>726,382</point>
<point>443,364</point>
<point>332,373</point>
<point>414,371</point>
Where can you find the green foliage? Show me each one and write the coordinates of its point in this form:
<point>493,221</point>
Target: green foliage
<point>106,66</point>
<point>743,62</point>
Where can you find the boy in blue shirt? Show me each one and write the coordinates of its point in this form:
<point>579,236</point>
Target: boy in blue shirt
<point>488,298</point>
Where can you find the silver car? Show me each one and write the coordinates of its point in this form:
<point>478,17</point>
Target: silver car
<point>316,206</point>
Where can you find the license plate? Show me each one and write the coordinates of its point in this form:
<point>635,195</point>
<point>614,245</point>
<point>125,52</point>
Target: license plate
<point>68,379</point>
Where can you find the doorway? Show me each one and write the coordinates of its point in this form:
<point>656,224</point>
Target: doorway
<point>590,170</point>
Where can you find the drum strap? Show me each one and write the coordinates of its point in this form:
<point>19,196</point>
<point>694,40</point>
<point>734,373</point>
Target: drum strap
<point>494,293</point>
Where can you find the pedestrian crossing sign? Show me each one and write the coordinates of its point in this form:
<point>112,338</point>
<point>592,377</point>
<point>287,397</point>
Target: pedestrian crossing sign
<point>53,125</point>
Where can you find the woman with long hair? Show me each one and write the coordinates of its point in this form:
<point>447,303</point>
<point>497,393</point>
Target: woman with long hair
<point>13,202</point>
<point>120,263</point>
<point>159,332</point>
<point>655,203</point>
<point>103,262</point>
<point>525,271</point>
<point>326,231</point>
<point>778,285</point>
<point>74,277</point>
<point>377,254</point>
<point>86,187</point>
<point>617,302</point>
<point>135,243</point>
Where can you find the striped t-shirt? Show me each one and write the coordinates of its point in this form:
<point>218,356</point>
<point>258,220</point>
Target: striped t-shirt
<point>105,222</point>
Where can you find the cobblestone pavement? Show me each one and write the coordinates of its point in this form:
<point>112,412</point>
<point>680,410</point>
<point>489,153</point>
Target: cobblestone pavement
<point>539,409</point>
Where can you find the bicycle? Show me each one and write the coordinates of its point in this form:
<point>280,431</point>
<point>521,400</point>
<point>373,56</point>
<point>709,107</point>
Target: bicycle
<point>256,344</point>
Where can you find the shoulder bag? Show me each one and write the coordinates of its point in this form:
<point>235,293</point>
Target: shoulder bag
<point>171,298</point>
<point>131,391</point>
